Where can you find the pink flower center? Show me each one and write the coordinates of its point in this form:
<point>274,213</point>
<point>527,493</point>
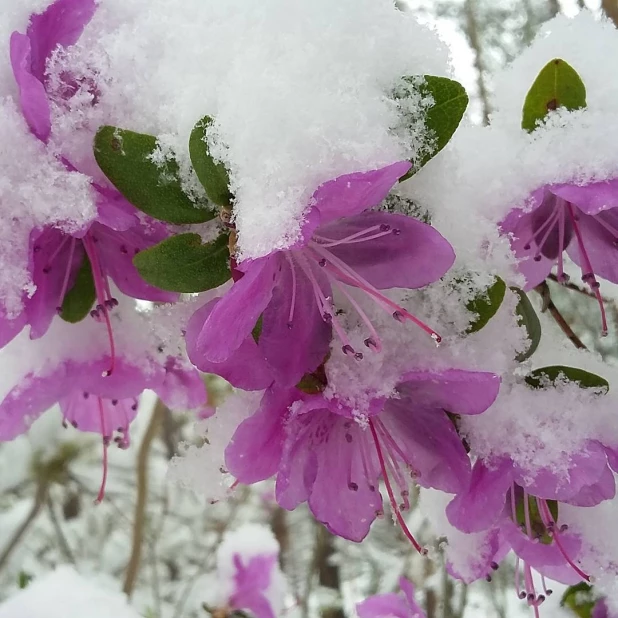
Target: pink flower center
<point>554,234</point>
<point>338,273</point>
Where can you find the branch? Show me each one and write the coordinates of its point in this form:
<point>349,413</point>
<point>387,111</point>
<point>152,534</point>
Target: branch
<point>474,39</point>
<point>548,305</point>
<point>142,498</point>
<point>39,502</point>
<point>610,7</point>
<point>62,540</point>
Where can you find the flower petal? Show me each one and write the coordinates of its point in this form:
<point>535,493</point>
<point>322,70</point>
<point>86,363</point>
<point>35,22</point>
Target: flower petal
<point>351,194</point>
<point>183,387</point>
<point>430,443</point>
<point>61,24</point>
<point>479,507</point>
<point>294,338</point>
<point>408,590</point>
<point>454,390</point>
<point>233,319</point>
<point>254,453</point>
<point>246,368</point>
<point>342,497</point>
<point>32,95</point>
<point>592,198</point>
<point>385,606</point>
<point>599,244</point>
<point>411,255</point>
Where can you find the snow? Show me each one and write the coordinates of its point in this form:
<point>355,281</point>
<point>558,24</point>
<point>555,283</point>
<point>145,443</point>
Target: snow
<point>296,99</point>
<point>64,593</point>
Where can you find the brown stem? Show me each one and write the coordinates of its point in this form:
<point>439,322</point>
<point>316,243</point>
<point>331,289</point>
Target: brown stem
<point>548,305</point>
<point>328,573</point>
<point>39,502</point>
<point>474,39</point>
<point>611,9</point>
<point>142,499</point>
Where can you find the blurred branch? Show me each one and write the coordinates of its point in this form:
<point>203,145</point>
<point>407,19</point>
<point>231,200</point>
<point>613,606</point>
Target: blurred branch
<point>39,502</point>
<point>142,498</point>
<point>554,7</point>
<point>610,7</point>
<point>548,305</point>
<point>328,573</point>
<point>471,28</point>
<point>62,540</point>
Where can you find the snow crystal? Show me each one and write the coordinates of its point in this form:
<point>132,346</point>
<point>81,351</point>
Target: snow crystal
<point>202,469</point>
<point>66,594</point>
<point>300,91</point>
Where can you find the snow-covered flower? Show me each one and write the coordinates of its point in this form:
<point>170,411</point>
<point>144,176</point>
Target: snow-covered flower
<point>342,244</point>
<point>326,453</point>
<point>579,219</point>
<point>391,605</point>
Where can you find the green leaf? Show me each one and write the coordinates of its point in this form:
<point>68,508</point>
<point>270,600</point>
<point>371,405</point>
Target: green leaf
<point>24,579</point>
<point>557,85</point>
<point>78,301</point>
<point>126,159</point>
<point>580,598</point>
<point>555,373</point>
<point>486,305</point>
<point>534,517</point>
<point>257,329</point>
<point>183,264</point>
<point>212,175</point>
<point>442,118</point>
<point>527,317</point>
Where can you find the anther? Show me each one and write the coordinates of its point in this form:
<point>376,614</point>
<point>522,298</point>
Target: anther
<point>327,317</point>
<point>290,325</point>
<point>549,592</point>
<point>537,258</point>
<point>371,343</point>
<point>348,437</point>
<point>358,355</point>
<point>488,578</point>
<point>115,403</point>
<point>353,486</point>
<point>522,595</point>
<point>527,247</point>
<point>494,566</point>
<point>385,227</point>
<point>398,316</point>
<point>396,232</point>
<point>348,350</point>
<point>322,262</point>
<point>123,249</point>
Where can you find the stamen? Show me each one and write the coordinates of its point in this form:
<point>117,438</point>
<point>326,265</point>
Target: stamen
<point>101,493</point>
<point>101,286</point>
<point>384,230</point>
<point>293,302</point>
<point>54,255</point>
<point>391,495</point>
<point>343,271</point>
<point>67,274</point>
<point>589,274</point>
<point>562,277</point>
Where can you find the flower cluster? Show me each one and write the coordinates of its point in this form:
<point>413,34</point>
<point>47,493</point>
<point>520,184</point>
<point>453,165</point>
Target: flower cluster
<point>385,357</point>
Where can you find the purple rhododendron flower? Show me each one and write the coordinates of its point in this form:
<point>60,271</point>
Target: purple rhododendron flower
<point>391,605</point>
<point>329,455</point>
<point>343,244</point>
<point>251,579</point>
<point>578,219</point>
<point>118,233</point>
<point>523,514</point>
<point>93,400</point>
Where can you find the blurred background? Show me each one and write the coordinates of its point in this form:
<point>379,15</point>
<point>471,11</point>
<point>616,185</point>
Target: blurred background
<point>157,541</point>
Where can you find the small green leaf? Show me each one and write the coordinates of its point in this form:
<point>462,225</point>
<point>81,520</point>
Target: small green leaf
<point>557,85</point>
<point>126,159</point>
<point>442,118</point>
<point>183,264</point>
<point>527,317</point>
<point>539,377</point>
<point>24,579</point>
<point>486,305</point>
<point>539,530</point>
<point>212,175</point>
<point>257,329</point>
<point>79,299</point>
<point>580,598</point>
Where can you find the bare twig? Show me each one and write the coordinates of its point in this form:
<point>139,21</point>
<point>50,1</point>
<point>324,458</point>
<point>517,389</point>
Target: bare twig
<point>610,7</point>
<point>39,502</point>
<point>142,498</point>
<point>472,33</point>
<point>548,305</point>
<point>62,540</point>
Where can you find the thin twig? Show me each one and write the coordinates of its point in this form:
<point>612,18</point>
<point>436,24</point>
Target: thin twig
<point>139,520</point>
<point>548,305</point>
<point>39,502</point>
<point>62,540</point>
<point>474,39</point>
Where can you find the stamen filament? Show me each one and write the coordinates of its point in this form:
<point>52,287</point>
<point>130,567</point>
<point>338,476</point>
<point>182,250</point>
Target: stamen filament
<point>67,274</point>
<point>101,493</point>
<point>391,495</point>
